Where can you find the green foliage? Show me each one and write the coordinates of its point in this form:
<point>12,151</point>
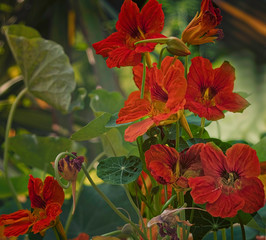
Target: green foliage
<point>47,72</point>
<point>119,170</point>
<point>104,101</point>
<point>260,147</point>
<point>37,151</point>
<point>93,129</point>
<point>20,184</point>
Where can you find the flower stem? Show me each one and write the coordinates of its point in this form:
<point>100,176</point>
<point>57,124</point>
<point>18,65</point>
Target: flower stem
<point>202,125</point>
<point>223,234</point>
<point>5,161</point>
<point>70,215</point>
<point>160,57</point>
<point>186,66</point>
<point>214,235</point>
<point>232,231</point>
<point>143,79</point>
<point>136,209</point>
<point>111,205</point>
<point>242,228</point>
<point>112,233</point>
<point>148,59</point>
<point>177,135</point>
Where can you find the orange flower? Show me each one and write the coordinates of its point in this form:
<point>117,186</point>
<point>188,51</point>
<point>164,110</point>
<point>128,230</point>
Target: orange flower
<point>164,96</point>
<point>202,28</point>
<point>46,201</point>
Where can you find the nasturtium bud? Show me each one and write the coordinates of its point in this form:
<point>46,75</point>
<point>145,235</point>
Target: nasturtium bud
<point>177,47</point>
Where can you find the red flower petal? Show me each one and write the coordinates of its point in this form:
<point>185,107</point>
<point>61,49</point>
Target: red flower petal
<point>190,161</point>
<point>204,189</point>
<point>134,109</point>
<point>232,102</point>
<point>253,194</point>
<point>213,160</point>
<point>35,187</point>
<point>162,153</point>
<point>226,205</point>
<point>243,160</point>
<point>138,75</point>
<point>152,17</point>
<point>114,41</point>
<point>128,18</point>
<point>209,112</point>
<point>17,223</point>
<point>201,74</point>
<point>52,191</point>
<point>123,56</point>
<point>224,78</point>
<point>137,129</point>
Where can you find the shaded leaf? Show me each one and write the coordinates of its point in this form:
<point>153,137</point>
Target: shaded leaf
<point>112,122</point>
<point>104,101</point>
<point>196,120</point>
<point>20,184</point>
<point>260,148</point>
<point>93,129</point>
<point>37,151</point>
<point>119,170</point>
<point>47,72</point>
<point>78,97</point>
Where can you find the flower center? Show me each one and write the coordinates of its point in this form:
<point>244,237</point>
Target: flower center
<point>207,97</point>
<point>229,179</point>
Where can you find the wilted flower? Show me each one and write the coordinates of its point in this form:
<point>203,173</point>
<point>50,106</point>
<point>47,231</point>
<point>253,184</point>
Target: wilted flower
<point>202,29</point>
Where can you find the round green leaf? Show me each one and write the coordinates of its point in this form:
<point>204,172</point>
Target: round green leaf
<point>45,67</point>
<point>119,170</point>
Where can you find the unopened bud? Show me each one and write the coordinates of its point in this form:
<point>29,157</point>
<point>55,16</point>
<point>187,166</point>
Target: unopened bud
<point>177,47</point>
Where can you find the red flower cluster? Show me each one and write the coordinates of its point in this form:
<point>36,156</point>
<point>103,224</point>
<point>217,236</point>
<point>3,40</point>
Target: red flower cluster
<point>230,183</point>
<point>210,91</point>
<point>46,201</point>
<point>132,26</point>
<point>164,96</point>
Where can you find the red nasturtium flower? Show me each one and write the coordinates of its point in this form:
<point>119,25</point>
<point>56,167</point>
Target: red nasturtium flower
<point>132,26</point>
<point>210,91</point>
<point>46,201</point>
<point>230,183</point>
<point>202,28</point>
<point>164,97</point>
<point>168,166</point>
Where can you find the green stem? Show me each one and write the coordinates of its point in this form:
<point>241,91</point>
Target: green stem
<point>218,130</point>
<point>223,234</point>
<point>111,205</point>
<point>143,78</point>
<point>70,215</point>
<point>177,135</point>
<point>168,202</point>
<point>136,209</point>
<point>160,58</point>
<point>186,66</point>
<point>56,234</point>
<point>202,125</point>
<point>5,161</point>
<point>182,213</point>
<point>214,235</point>
<point>192,212</point>
<point>232,231</point>
<point>242,228</point>
<point>165,193</point>
<point>112,233</point>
